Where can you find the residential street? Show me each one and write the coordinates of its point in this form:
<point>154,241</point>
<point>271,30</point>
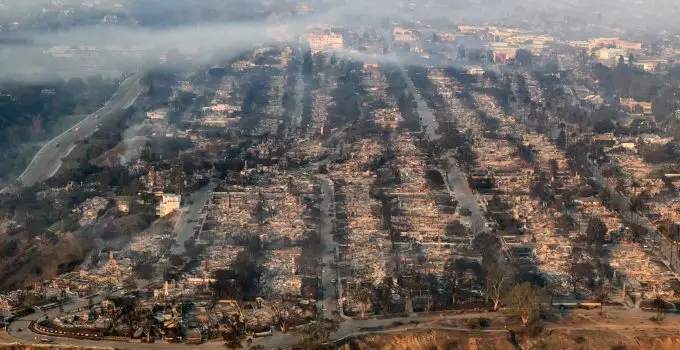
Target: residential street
<point>329,275</point>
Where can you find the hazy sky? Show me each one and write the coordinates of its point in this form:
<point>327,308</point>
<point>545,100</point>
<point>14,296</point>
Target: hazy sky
<point>216,37</point>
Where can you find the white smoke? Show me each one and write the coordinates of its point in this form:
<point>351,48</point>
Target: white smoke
<point>132,144</point>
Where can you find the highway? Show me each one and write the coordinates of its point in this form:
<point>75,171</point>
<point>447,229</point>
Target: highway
<point>47,161</point>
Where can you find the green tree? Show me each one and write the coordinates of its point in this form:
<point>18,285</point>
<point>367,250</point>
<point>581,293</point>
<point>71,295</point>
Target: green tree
<point>579,271</point>
<point>317,333</point>
<point>284,313</point>
<point>360,292</point>
<point>596,231</point>
<point>659,305</point>
<point>566,224</point>
<point>454,270</point>
<point>524,299</point>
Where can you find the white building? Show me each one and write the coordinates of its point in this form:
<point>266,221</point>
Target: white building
<point>402,35</point>
<point>222,107</point>
<point>169,203</point>
<point>611,53</point>
<point>648,65</point>
<point>320,41</point>
<point>475,70</point>
<point>157,114</point>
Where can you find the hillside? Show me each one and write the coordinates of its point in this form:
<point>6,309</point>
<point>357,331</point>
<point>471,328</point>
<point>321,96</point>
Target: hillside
<point>577,329</point>
<point>556,339</point>
<point>31,113</point>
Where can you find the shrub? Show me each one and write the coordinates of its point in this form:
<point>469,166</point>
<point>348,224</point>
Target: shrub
<point>484,322</point>
<point>580,340</point>
<point>473,324</point>
<point>535,330</point>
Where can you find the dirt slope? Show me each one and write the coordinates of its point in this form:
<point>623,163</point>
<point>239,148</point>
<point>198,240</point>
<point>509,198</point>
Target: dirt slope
<point>555,339</point>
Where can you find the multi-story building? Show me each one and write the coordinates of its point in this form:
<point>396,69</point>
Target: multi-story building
<point>502,52</point>
<point>648,65</point>
<point>614,42</point>
<point>157,114</point>
<point>403,35</point>
<point>633,106</point>
<point>608,53</point>
<point>324,40</point>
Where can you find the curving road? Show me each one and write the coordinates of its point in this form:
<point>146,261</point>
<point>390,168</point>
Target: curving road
<point>19,328</point>
<point>47,161</point>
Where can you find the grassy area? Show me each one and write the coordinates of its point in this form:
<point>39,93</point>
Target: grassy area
<point>63,124</point>
<point>25,152</point>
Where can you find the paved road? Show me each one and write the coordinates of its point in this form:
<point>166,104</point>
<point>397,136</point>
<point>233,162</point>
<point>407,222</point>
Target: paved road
<point>48,159</point>
<point>191,217</point>
<point>350,328</point>
<point>353,328</point>
<point>456,180</point>
<point>329,299</point>
<point>458,185</point>
<point>299,95</point>
<point>427,119</point>
<point>26,335</point>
